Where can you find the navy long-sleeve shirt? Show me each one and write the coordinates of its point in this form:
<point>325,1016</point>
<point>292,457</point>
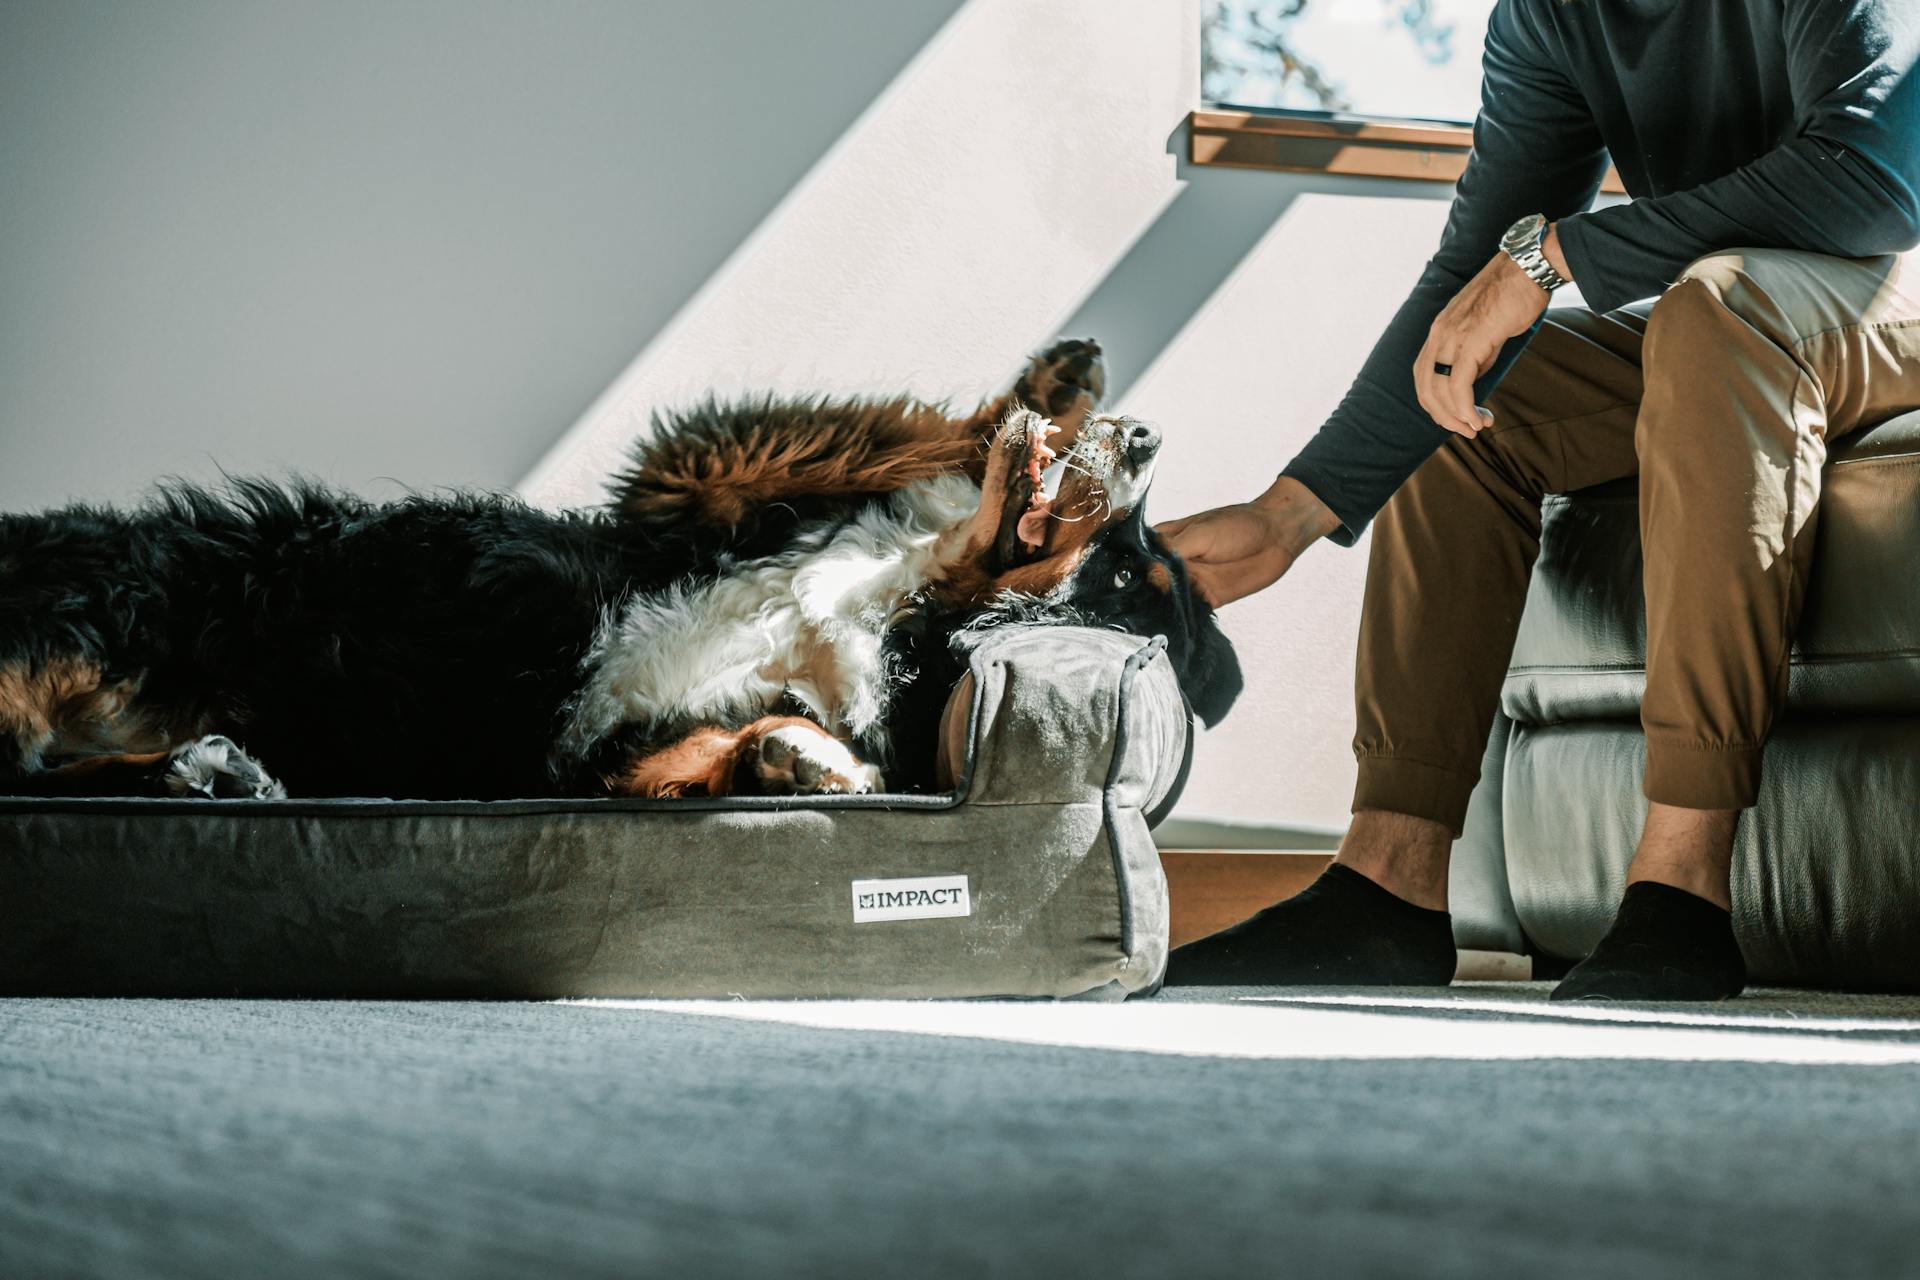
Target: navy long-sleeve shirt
<point>1733,123</point>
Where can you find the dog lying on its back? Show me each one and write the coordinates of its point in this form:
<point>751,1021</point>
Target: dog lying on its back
<point>767,605</point>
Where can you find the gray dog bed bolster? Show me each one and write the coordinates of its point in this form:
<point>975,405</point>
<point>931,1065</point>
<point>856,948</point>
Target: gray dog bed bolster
<point>1037,877</point>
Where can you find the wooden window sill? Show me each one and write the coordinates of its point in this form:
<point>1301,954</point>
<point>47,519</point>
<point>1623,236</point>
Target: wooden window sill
<point>1415,150</point>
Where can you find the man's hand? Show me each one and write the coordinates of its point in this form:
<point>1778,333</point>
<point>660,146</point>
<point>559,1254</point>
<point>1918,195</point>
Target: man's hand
<point>1500,302</point>
<point>1236,550</point>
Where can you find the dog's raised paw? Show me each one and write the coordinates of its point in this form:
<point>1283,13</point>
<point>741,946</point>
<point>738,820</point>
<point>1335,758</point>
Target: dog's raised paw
<point>1065,382</point>
<point>799,760</point>
<point>215,768</point>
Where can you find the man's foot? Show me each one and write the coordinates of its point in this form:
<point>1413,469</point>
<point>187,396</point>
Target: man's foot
<point>1665,944</point>
<point>1341,930</point>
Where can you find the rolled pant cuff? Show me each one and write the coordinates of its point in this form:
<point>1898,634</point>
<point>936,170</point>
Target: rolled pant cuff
<point>1694,775</point>
<point>1415,789</point>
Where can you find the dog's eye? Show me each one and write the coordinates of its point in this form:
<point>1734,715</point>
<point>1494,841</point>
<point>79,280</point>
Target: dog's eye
<point>1122,579</point>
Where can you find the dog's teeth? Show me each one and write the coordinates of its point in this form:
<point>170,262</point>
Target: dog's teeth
<point>1050,479</point>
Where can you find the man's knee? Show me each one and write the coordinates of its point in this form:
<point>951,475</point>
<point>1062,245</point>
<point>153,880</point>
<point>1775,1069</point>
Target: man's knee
<point>1713,292</point>
<point>1731,320</point>
<point>1772,292</point>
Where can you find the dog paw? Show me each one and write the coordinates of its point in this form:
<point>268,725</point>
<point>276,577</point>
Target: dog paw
<point>796,760</point>
<point>1064,382</point>
<point>215,768</point>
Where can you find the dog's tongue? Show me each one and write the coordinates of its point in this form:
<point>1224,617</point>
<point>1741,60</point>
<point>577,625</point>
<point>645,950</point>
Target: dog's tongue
<point>1044,468</point>
<point>1032,529</point>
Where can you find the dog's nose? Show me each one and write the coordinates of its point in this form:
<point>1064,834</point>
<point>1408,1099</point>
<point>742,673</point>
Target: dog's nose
<point>1142,441</point>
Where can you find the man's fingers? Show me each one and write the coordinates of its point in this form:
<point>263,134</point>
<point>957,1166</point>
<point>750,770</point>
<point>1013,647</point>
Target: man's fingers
<point>1206,580</point>
<point>1436,397</point>
<point>1423,380</point>
<point>1433,387</point>
<point>1450,409</point>
<point>1173,528</point>
<point>1456,394</point>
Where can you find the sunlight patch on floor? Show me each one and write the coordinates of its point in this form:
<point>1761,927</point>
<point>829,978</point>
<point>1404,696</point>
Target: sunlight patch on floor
<point>1263,1028</point>
<point>1770,1012</point>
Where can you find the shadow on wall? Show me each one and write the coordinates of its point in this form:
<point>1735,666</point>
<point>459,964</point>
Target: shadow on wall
<point>362,240</point>
<point>997,181</point>
<point>1193,249</point>
<point>1180,262</point>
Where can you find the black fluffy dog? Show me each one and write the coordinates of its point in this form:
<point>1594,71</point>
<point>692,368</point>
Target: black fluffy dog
<point>768,604</point>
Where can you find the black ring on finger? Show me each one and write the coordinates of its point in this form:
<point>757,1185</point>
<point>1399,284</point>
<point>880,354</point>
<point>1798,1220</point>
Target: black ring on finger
<point>1444,370</point>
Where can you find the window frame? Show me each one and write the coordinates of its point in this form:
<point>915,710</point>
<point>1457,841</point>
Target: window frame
<point>1330,143</point>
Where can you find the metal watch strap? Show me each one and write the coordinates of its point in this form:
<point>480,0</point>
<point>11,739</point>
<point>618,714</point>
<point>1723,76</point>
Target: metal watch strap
<point>1533,259</point>
<point>1539,270</point>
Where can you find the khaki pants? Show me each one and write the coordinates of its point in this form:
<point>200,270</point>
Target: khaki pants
<point>1722,396</point>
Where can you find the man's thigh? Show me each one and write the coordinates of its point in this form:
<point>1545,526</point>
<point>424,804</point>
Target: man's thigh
<point>1851,326</point>
<point>1563,417</point>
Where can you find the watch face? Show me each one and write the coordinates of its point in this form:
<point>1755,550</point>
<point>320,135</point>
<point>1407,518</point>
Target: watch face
<point>1524,232</point>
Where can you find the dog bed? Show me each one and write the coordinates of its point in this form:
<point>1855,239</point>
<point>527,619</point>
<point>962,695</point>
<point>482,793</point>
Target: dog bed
<point>1035,877</point>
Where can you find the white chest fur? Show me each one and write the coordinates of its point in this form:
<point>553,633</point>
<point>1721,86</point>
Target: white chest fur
<point>808,621</point>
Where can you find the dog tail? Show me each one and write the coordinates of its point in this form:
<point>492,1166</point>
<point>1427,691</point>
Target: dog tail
<point>723,464</point>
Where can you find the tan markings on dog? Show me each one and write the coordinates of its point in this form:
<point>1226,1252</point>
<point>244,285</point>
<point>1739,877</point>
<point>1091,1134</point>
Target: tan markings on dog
<point>33,700</point>
<point>1160,578</point>
<point>111,775</point>
<point>1080,512</point>
<point>1042,576</point>
<point>710,762</point>
<point>700,764</point>
<point>971,583</point>
<point>706,471</point>
<point>65,708</point>
<point>64,705</point>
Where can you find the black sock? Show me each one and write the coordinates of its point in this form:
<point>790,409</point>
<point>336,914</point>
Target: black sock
<point>1341,930</point>
<point>1665,944</point>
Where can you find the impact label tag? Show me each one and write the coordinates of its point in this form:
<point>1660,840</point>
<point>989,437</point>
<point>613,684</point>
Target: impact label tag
<point>913,898</point>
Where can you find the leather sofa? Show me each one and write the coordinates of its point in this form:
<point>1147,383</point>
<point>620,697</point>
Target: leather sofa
<point>1826,876</point>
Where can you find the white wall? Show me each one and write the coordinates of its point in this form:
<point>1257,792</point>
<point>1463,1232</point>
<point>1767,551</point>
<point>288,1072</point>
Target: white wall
<point>958,223</point>
<point>414,241</point>
<point>379,241</point>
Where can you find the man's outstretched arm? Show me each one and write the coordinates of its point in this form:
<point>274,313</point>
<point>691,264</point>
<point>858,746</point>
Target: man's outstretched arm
<point>1236,550</point>
<point>1536,150</point>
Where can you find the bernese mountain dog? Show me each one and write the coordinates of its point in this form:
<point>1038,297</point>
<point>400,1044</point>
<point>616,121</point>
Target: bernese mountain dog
<point>774,601</point>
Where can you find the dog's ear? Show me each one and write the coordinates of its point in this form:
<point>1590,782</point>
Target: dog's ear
<point>1212,679</point>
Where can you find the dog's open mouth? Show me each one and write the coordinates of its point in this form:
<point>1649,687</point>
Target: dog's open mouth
<point>1049,490</point>
<point>1039,501</point>
<point>1044,488</point>
<point>1040,479</point>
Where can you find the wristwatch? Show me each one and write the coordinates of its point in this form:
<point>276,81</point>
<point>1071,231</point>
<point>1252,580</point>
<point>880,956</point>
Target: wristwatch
<point>1525,243</point>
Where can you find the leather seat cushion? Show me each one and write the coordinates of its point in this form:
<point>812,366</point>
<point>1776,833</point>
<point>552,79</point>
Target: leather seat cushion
<point>1825,870</point>
<point>1581,650</point>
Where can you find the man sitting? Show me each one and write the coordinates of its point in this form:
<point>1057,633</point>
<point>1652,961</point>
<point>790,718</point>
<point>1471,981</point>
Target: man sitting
<point>1773,152</point>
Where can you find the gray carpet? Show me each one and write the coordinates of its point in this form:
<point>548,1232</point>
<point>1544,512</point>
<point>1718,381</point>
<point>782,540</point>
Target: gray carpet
<point>1776,1135</point>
